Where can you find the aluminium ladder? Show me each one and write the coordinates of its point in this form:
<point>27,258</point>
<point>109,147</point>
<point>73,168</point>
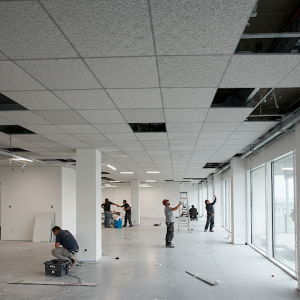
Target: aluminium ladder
<point>184,217</point>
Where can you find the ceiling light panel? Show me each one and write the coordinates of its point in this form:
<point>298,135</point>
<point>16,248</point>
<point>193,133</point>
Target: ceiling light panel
<point>86,99</point>
<point>188,98</point>
<point>228,114</point>
<point>61,74</point>
<point>185,115</point>
<point>196,71</point>
<point>117,38</point>
<point>14,78</point>
<point>183,127</point>
<point>126,72</point>
<point>211,127</point>
<point>152,136</point>
<point>23,117</point>
<point>136,98</point>
<point>256,126</point>
<point>258,70</point>
<point>61,117</point>
<point>143,115</point>
<point>37,100</point>
<point>102,116</point>
<point>28,32</point>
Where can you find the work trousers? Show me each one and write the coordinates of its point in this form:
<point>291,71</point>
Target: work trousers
<point>62,253</point>
<point>170,233</point>
<point>106,218</point>
<point>127,218</point>
<point>210,219</point>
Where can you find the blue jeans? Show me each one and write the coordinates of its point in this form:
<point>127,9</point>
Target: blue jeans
<point>210,219</point>
<point>106,218</point>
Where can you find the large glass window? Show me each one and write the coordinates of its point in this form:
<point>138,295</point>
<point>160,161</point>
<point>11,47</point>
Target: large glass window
<point>227,214</point>
<point>258,208</point>
<point>283,211</point>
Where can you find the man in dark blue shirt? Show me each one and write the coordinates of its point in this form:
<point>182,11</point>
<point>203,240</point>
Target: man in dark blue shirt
<point>210,214</point>
<point>69,245</point>
<point>106,206</point>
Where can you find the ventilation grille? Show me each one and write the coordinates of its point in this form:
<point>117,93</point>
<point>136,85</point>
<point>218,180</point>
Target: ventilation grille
<point>212,165</point>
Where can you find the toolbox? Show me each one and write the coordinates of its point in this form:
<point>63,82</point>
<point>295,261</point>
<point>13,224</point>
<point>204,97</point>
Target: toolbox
<point>57,267</point>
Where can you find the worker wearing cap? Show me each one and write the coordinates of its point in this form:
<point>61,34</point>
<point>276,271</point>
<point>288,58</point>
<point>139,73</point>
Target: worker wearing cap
<point>169,222</point>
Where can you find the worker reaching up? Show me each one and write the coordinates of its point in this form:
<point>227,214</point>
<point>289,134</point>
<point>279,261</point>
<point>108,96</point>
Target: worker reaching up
<point>210,214</point>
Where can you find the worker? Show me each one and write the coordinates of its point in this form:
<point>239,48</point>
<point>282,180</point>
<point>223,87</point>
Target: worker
<point>193,213</point>
<point>69,245</point>
<point>169,222</point>
<point>127,209</point>
<point>210,214</point>
<point>106,206</point>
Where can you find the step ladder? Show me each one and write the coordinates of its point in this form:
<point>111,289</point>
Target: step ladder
<point>184,218</point>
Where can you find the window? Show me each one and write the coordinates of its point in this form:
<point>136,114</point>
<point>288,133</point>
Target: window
<point>283,211</point>
<point>227,213</point>
<point>258,208</point>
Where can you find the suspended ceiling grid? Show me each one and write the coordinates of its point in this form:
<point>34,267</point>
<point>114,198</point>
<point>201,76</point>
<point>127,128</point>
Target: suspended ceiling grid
<point>85,69</point>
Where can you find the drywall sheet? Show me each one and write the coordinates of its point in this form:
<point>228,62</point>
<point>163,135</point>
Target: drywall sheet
<point>44,222</point>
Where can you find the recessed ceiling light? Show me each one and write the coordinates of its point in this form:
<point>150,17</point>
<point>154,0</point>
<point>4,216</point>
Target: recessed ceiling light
<point>115,181</point>
<point>111,167</point>
<point>290,169</point>
<point>127,172</point>
<point>153,172</point>
<point>111,186</point>
<point>150,180</point>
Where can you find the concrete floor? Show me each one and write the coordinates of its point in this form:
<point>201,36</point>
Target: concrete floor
<point>242,272</point>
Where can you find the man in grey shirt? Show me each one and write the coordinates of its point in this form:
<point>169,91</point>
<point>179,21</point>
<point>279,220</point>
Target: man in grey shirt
<point>169,222</point>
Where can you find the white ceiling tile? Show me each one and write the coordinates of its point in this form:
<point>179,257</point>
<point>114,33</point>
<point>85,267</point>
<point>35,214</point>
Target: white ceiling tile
<point>183,136</point>
<point>228,114</point>
<point>128,72</point>
<point>257,70</point>
<point>211,127</point>
<point>23,117</point>
<point>121,136</point>
<point>231,147</point>
<point>37,100</point>
<point>245,135</point>
<point>127,143</point>
<point>292,80</point>
<point>185,115</point>
<point>78,128</point>
<point>61,137</point>
<point>31,137</point>
<point>61,73</point>
<point>90,137</point>
<point>181,152</point>
<point>182,142</point>
<point>86,99</point>
<point>100,144</point>
<point>5,122</point>
<point>2,57</point>
<point>152,148</point>
<point>75,145</point>
<point>44,129</point>
<point>196,71</point>
<point>102,116</point>
<point>113,128</point>
<point>107,149</point>
<point>256,126</point>
<point>136,98</point>
<point>210,142</point>
<point>61,117</point>
<point>181,147</point>
<point>28,32</point>
<point>188,97</point>
<point>214,135</point>
<point>46,144</point>
<point>13,78</point>
<point>137,115</point>
<point>241,143</point>
<point>155,143</point>
<point>206,147</point>
<point>151,136</point>
<point>128,148</point>
<point>89,24</point>
<point>183,127</point>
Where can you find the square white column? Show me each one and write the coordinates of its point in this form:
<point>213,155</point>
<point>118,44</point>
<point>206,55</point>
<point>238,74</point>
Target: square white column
<point>297,195</point>
<point>135,202</point>
<point>88,188</point>
<point>239,200</point>
<point>218,206</point>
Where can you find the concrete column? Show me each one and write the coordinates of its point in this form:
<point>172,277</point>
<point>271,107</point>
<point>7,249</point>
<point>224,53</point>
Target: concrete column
<point>88,190</point>
<point>199,199</point>
<point>135,202</point>
<point>210,189</point>
<point>239,200</point>
<point>218,206</point>
<point>297,194</point>
<point>204,197</point>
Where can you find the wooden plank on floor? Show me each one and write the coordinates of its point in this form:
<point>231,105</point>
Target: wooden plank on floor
<point>51,283</point>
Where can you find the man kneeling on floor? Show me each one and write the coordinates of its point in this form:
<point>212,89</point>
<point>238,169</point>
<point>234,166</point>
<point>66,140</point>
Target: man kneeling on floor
<point>69,245</point>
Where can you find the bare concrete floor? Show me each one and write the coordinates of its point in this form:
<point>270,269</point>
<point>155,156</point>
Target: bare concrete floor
<point>242,272</point>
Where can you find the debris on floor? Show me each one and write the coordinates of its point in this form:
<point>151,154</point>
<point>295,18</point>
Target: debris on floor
<point>208,281</point>
<point>157,224</point>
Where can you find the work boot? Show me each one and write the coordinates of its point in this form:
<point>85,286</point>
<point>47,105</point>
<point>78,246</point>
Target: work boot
<point>125,225</point>
<point>205,230</point>
<point>130,225</point>
<point>170,246</point>
<point>211,230</point>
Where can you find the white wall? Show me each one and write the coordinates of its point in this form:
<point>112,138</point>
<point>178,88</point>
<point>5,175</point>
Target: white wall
<point>34,190</point>
<point>193,193</point>
<point>69,200</point>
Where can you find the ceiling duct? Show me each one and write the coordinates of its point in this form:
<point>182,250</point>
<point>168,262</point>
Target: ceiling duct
<point>281,128</point>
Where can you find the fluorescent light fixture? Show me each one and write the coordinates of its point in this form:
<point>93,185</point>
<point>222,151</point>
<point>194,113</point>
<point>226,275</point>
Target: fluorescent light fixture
<point>288,169</point>
<point>111,167</point>
<point>16,158</point>
<point>127,172</point>
<point>150,180</point>
<point>145,185</point>
<point>111,186</point>
<point>115,181</point>
<point>153,172</point>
